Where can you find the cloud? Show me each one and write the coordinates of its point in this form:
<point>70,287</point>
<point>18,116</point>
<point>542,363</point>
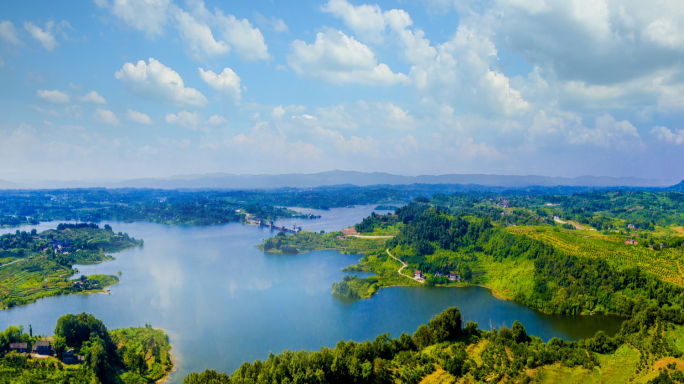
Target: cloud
<point>187,120</point>
<point>278,112</point>
<point>366,115</point>
<point>50,112</point>
<point>227,82</point>
<point>216,120</point>
<point>54,97</point>
<point>138,117</point>
<point>149,16</point>
<point>74,111</point>
<point>601,42</point>
<point>195,27</point>
<point>263,140</point>
<point>550,126</point>
<point>45,37</point>
<point>277,24</point>
<point>367,21</point>
<point>608,132</point>
<point>338,58</point>
<point>355,145</point>
<point>462,73</point>
<point>93,97</point>
<point>374,26</point>
<point>668,136</point>
<point>9,33</point>
<point>159,82</point>
<point>106,116</point>
<point>198,38</point>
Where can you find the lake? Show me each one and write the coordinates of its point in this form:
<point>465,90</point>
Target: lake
<point>224,302</point>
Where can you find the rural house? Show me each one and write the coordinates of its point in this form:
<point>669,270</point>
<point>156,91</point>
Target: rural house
<point>19,347</point>
<point>42,347</point>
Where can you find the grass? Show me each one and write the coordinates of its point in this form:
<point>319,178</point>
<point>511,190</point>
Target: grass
<point>307,241</point>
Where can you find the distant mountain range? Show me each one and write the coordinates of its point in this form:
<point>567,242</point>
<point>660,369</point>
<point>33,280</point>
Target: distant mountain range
<point>310,180</point>
<point>8,185</point>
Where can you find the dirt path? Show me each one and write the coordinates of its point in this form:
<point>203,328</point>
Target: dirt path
<point>372,237</point>
<point>404,265</point>
<point>573,224</point>
<point>15,261</point>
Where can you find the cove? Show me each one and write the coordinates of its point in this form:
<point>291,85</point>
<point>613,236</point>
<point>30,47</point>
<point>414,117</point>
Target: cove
<point>224,302</point>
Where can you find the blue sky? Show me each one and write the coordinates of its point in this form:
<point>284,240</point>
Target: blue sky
<point>117,89</point>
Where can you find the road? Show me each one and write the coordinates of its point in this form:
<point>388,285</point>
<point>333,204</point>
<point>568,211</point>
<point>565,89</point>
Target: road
<point>404,265</point>
<point>371,237</point>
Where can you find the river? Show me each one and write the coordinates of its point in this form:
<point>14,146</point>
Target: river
<point>224,302</point>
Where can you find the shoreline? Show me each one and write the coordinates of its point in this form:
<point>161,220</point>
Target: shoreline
<point>172,357</point>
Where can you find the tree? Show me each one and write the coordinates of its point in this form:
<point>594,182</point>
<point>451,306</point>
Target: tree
<point>77,329</point>
<point>446,325</point>
<point>518,332</point>
<point>423,337</point>
<point>207,377</point>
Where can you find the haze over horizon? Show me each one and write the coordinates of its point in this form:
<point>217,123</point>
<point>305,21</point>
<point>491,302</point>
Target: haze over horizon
<point>114,89</point>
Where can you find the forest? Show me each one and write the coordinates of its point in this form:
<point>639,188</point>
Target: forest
<point>447,351</point>
<point>132,356</point>
<point>555,270</point>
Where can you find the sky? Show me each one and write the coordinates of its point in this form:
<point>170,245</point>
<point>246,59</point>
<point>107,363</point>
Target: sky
<point>122,89</point>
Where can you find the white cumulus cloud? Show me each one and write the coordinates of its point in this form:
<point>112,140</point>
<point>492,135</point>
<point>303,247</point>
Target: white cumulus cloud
<point>206,34</point>
<point>9,33</point>
<point>159,82</point>
<point>45,37</point>
<point>667,135</point>
<point>138,117</point>
<point>149,16</point>
<point>216,120</point>
<point>106,116</point>
<point>93,97</point>
<point>227,81</point>
<point>338,58</point>
<point>54,96</point>
<point>198,38</point>
<point>185,119</point>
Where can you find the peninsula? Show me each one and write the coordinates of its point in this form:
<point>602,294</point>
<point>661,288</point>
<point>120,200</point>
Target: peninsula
<point>35,265</point>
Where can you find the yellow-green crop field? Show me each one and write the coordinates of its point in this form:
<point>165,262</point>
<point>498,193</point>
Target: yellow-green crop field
<point>668,264</point>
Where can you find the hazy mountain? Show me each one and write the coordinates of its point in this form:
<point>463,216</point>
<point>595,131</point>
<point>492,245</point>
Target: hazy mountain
<point>310,180</point>
<point>8,185</point>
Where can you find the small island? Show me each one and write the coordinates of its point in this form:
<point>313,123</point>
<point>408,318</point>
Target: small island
<point>82,350</point>
<point>35,265</point>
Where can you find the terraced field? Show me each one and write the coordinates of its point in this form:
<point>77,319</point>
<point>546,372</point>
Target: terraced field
<point>666,263</point>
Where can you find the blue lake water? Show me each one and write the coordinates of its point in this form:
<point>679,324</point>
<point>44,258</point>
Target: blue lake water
<point>224,302</point>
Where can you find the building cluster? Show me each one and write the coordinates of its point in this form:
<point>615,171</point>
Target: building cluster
<point>418,275</point>
<point>59,246</point>
<point>44,348</point>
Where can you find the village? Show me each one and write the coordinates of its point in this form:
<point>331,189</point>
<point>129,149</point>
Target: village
<point>43,349</point>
